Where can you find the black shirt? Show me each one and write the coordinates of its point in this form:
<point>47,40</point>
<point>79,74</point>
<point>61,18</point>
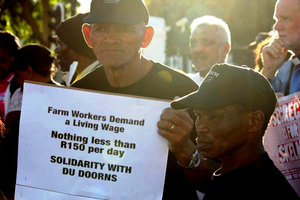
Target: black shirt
<point>260,179</point>
<point>160,82</point>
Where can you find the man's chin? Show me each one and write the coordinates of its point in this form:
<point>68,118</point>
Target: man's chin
<point>113,63</point>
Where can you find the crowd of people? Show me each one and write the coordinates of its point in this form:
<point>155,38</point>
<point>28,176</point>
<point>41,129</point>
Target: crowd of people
<point>214,131</point>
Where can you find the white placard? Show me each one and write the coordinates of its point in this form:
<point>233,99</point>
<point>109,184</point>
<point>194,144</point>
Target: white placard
<point>77,144</point>
<point>282,140</point>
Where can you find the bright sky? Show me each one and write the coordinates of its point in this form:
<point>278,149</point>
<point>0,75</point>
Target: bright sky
<point>85,6</point>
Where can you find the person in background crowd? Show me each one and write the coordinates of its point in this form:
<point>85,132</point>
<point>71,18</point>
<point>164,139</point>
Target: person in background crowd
<point>210,43</point>
<point>72,52</point>
<point>117,40</point>
<point>9,45</point>
<point>262,39</point>
<point>3,132</point>
<point>32,62</point>
<point>233,108</point>
<point>287,80</point>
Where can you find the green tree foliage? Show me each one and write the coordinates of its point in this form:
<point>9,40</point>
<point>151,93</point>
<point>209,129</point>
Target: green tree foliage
<point>246,18</point>
<point>29,19</point>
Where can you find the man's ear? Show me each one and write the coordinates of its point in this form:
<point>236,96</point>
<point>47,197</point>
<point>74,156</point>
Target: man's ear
<point>86,30</point>
<point>257,120</point>
<point>226,49</point>
<point>149,33</point>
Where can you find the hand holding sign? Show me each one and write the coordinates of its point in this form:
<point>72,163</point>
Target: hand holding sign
<point>176,127</point>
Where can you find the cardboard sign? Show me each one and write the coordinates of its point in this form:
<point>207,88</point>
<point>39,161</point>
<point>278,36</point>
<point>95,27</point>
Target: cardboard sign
<point>282,141</point>
<point>76,144</point>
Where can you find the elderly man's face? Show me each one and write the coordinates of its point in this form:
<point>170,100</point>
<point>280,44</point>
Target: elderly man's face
<point>206,48</point>
<point>116,45</point>
<point>287,16</point>
<point>220,131</point>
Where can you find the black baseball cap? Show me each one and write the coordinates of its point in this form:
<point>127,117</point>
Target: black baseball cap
<point>228,84</point>
<point>118,11</point>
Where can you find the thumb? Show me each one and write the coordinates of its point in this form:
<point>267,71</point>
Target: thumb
<point>175,98</point>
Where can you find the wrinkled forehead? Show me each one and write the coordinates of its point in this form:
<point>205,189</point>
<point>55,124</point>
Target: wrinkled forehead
<point>218,110</point>
<point>235,109</point>
<point>134,27</point>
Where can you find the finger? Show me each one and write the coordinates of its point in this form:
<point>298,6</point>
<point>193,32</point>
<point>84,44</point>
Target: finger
<point>279,95</point>
<point>270,51</point>
<point>177,97</point>
<point>181,113</point>
<point>278,43</point>
<point>176,138</point>
<point>178,118</point>
<point>163,132</point>
<point>278,47</point>
<point>274,49</point>
<point>167,134</point>
<point>166,125</point>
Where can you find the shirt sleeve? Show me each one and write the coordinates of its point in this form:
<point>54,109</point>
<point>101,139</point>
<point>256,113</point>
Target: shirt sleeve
<point>16,101</point>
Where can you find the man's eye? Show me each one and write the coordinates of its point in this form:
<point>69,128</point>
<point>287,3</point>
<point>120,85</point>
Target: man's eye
<point>124,29</point>
<point>211,116</point>
<point>214,118</point>
<point>207,42</point>
<point>100,29</point>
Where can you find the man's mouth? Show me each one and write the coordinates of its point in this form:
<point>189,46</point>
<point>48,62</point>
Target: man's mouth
<point>199,57</point>
<point>111,50</point>
<point>202,144</point>
<point>281,35</point>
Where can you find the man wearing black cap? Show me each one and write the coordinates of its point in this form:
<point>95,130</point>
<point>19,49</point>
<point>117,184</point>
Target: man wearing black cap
<point>117,31</point>
<point>72,52</point>
<point>233,108</point>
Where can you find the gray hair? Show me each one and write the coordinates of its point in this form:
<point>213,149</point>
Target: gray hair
<point>208,20</point>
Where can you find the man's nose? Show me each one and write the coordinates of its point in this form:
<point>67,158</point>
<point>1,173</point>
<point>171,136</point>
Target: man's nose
<point>201,127</point>
<point>112,36</point>
<point>278,26</point>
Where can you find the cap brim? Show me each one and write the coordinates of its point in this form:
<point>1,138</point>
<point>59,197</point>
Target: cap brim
<point>183,102</point>
<point>252,45</point>
<point>201,100</point>
<point>97,18</point>
<point>195,100</point>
